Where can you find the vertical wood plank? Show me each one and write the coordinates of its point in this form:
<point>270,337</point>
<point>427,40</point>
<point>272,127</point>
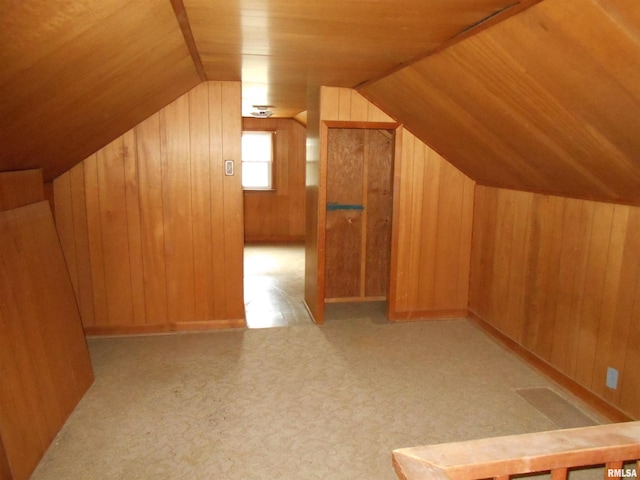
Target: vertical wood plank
<point>415,235</point>
<point>115,237</point>
<point>216,156</point>
<point>94,227</point>
<point>83,253</point>
<point>132,196</point>
<point>151,220</point>
<point>430,205</point>
<point>64,226</point>
<point>233,226</point>
<point>593,293</point>
<point>201,200</point>
<point>177,214</point>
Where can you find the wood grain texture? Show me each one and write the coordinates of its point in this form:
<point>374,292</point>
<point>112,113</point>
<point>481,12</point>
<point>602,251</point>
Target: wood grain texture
<point>278,215</point>
<point>514,455</point>
<point>550,106</point>
<point>155,223</point>
<point>558,276</point>
<point>20,188</point>
<point>45,361</point>
<point>432,211</point>
<point>432,233</point>
<point>82,74</point>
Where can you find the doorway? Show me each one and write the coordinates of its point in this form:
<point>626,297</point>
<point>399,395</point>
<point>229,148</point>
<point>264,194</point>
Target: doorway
<point>274,285</point>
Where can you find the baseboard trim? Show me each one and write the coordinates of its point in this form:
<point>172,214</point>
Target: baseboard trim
<point>274,239</point>
<point>427,315</point>
<point>587,396</point>
<point>148,329</point>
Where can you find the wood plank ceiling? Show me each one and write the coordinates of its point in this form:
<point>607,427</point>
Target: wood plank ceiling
<point>548,101</point>
<point>543,97</point>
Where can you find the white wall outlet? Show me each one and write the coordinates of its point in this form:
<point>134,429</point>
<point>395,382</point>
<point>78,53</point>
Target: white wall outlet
<point>612,378</point>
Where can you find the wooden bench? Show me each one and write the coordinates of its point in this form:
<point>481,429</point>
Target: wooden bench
<point>611,446</point>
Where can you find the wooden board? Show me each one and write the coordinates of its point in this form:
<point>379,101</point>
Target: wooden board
<point>379,208</point>
<point>43,354</point>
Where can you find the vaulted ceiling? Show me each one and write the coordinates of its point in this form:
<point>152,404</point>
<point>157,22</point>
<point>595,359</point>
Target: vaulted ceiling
<point>542,96</point>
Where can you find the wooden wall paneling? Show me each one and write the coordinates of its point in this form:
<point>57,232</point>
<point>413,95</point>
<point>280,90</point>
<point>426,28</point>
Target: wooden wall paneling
<point>426,227</point>
<point>518,255</point>
<point>114,232</point>
<point>565,324</point>
<point>216,158</point>
<point>82,249</point>
<point>96,254</point>
<point>5,469</point>
<point>573,284</point>
<point>593,293</point>
<point>201,201</point>
<point>379,208</point>
<point>448,246</point>
<point>278,215</point>
<point>617,306</point>
<point>315,216</point>
<point>466,236</point>
<point>233,226</point>
<point>132,195</point>
<point>20,188</point>
<point>152,230</point>
<point>64,227</point>
<point>415,231</point>
<point>44,355</point>
<point>178,217</point>
<point>630,381</point>
<point>400,259</point>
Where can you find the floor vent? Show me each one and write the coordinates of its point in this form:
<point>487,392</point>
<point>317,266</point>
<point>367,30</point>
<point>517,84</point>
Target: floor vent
<point>555,407</point>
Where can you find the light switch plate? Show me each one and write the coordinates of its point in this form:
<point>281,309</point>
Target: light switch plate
<point>228,167</point>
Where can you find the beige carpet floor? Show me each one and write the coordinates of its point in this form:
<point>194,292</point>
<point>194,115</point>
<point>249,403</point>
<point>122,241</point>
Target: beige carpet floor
<point>302,402</point>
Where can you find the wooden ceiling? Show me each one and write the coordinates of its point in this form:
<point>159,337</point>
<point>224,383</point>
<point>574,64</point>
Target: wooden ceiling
<point>543,97</point>
<point>548,101</point>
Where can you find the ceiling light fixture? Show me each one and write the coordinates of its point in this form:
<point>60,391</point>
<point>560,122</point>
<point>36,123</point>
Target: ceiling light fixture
<point>262,111</point>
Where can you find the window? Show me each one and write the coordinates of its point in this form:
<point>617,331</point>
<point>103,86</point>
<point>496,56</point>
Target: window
<point>257,160</point>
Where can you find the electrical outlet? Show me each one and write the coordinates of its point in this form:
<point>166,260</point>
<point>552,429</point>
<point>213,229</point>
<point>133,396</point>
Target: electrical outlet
<point>612,378</point>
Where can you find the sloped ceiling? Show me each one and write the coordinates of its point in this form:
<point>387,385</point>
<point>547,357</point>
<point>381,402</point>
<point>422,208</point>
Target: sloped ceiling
<point>548,100</point>
<point>77,73</point>
<point>531,95</point>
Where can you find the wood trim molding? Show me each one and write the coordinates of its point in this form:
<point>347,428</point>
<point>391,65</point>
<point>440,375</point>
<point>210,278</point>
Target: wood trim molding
<point>584,394</point>
<point>166,328</point>
<point>419,316</point>
<point>363,125</point>
<point>183,21</point>
<point>274,239</point>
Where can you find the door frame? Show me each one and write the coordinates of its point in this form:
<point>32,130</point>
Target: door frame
<point>317,311</point>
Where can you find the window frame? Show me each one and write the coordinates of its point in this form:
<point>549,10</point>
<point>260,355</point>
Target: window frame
<point>271,163</point>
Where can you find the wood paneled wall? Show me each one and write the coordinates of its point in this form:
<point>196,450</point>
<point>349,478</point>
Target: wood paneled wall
<point>432,217</point>
<point>433,225</point>
<point>561,277</point>
<point>44,358</point>
<point>278,215</point>
<point>150,225</point>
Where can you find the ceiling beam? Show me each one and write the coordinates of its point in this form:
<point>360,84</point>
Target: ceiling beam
<point>185,26</point>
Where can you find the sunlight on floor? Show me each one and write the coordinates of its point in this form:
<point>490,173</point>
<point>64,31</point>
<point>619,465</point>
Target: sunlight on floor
<point>274,285</point>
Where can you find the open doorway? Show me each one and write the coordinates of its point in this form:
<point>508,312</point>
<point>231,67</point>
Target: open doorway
<point>274,285</point>
<point>273,175</point>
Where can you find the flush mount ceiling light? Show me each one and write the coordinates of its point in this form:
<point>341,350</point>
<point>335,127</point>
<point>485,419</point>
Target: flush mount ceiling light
<point>262,111</point>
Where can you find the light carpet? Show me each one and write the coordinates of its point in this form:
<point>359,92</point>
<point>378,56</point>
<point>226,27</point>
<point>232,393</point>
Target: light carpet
<point>303,402</point>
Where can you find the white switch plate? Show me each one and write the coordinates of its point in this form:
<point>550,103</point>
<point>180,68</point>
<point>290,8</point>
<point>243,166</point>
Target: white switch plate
<point>228,167</point>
